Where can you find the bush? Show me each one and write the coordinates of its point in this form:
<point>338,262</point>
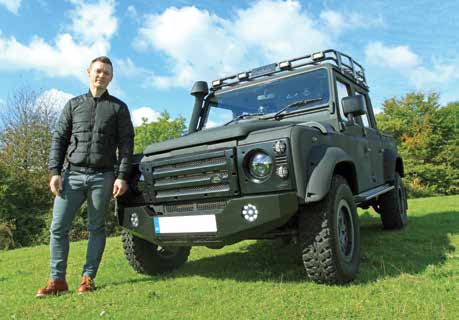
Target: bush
<point>6,236</point>
<point>427,138</point>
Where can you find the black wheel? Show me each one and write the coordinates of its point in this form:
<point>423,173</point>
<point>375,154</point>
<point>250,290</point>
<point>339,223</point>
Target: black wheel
<point>148,258</point>
<point>393,206</point>
<point>330,236</point>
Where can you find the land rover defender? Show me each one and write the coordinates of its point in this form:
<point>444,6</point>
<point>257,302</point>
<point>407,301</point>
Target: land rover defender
<point>288,150</point>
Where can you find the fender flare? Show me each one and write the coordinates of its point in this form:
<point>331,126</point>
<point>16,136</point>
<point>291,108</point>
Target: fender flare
<point>392,163</point>
<point>323,162</point>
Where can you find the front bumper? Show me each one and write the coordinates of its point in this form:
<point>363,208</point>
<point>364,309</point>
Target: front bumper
<point>274,210</point>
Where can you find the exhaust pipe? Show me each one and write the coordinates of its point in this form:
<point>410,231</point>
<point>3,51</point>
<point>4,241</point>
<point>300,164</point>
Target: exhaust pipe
<point>199,91</point>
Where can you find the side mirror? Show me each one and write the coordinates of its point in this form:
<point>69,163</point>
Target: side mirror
<point>354,105</point>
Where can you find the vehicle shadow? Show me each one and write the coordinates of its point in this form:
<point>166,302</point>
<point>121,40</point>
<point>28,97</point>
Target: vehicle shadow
<point>422,243</point>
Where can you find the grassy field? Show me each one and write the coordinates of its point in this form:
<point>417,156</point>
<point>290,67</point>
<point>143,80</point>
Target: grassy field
<point>409,274</point>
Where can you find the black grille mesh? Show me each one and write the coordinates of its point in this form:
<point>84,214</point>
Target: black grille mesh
<point>195,177</point>
<point>192,206</point>
<point>192,164</point>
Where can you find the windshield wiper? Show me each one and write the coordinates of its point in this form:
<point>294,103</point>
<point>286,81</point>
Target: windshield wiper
<point>295,104</point>
<point>244,115</point>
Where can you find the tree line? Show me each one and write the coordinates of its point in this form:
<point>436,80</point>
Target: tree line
<point>426,134</point>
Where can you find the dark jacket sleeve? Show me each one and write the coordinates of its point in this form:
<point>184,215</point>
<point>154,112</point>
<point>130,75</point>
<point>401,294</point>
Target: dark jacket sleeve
<point>125,142</point>
<point>60,140</point>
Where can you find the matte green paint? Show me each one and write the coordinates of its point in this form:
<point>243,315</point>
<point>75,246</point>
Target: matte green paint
<point>318,142</point>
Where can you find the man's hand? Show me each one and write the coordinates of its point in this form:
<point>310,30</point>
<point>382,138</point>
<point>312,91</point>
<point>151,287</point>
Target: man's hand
<point>56,185</point>
<point>119,187</point>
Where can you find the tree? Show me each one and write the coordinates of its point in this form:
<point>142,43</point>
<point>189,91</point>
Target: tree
<point>163,129</point>
<point>24,147</point>
<point>427,136</point>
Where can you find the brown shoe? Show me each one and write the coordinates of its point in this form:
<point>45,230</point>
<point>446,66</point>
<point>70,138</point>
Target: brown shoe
<point>54,287</point>
<point>86,285</point>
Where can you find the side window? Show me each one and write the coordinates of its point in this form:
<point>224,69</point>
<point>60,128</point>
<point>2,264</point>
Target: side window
<point>364,117</point>
<point>343,91</point>
<point>218,117</point>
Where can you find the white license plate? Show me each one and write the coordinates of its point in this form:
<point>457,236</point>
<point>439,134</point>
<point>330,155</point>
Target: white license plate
<point>185,224</point>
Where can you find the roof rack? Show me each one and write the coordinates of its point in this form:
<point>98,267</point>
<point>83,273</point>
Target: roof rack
<point>344,62</point>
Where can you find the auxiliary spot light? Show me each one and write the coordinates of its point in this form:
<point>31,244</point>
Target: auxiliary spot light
<point>284,65</point>
<point>250,212</point>
<point>243,76</point>
<point>134,220</point>
<point>216,83</point>
<point>318,56</point>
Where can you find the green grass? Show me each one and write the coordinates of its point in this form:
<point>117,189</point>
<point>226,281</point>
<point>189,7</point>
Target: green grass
<point>408,274</point>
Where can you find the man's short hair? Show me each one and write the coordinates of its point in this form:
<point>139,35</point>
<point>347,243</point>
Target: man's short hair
<point>103,59</point>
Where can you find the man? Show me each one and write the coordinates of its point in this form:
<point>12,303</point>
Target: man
<point>90,129</point>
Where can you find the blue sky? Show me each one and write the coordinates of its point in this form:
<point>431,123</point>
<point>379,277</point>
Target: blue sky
<point>159,48</point>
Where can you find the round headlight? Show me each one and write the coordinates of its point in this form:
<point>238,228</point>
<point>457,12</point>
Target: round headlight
<point>260,165</point>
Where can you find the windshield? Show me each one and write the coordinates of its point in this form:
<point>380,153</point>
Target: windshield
<point>270,97</point>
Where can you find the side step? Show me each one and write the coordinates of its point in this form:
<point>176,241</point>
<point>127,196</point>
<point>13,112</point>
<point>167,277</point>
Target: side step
<point>372,193</point>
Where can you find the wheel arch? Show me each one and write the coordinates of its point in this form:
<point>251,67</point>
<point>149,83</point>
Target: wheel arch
<point>392,163</point>
<point>332,161</point>
<point>347,170</point>
<point>399,166</point>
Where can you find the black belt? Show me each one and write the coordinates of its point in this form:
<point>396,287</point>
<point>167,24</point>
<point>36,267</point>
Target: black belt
<point>88,170</point>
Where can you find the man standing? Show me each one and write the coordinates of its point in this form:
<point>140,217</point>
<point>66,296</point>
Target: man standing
<point>90,130</point>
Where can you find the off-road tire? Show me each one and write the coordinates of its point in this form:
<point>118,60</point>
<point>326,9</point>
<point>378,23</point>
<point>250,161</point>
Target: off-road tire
<point>393,206</point>
<point>326,258</point>
<point>148,258</point>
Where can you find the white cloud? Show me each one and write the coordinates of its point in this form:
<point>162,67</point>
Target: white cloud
<point>132,11</point>
<point>62,58</point>
<point>204,45</point>
<point>144,112</point>
<point>11,5</point>
<point>392,57</point>
<point>92,22</point>
<point>126,67</point>
<point>201,45</point>
<point>409,65</point>
<point>55,98</point>
<point>70,53</point>
<point>338,22</point>
<point>186,44</point>
<point>439,74</point>
<point>280,29</point>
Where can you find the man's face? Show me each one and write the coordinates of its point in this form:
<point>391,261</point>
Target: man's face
<point>100,75</point>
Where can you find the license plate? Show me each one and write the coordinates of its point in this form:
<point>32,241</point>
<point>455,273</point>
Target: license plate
<point>185,224</point>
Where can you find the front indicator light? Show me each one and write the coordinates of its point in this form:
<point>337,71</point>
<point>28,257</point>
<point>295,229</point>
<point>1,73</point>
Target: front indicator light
<point>282,172</point>
<point>279,147</point>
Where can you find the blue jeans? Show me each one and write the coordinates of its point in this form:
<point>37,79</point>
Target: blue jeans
<point>97,190</point>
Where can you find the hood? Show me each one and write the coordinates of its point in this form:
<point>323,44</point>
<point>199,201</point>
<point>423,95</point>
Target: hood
<point>236,130</point>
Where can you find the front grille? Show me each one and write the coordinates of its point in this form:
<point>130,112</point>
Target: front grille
<point>192,176</point>
<point>192,207</point>
<point>219,160</point>
<point>192,191</point>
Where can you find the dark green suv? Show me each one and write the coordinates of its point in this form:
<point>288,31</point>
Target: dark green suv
<point>288,150</point>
